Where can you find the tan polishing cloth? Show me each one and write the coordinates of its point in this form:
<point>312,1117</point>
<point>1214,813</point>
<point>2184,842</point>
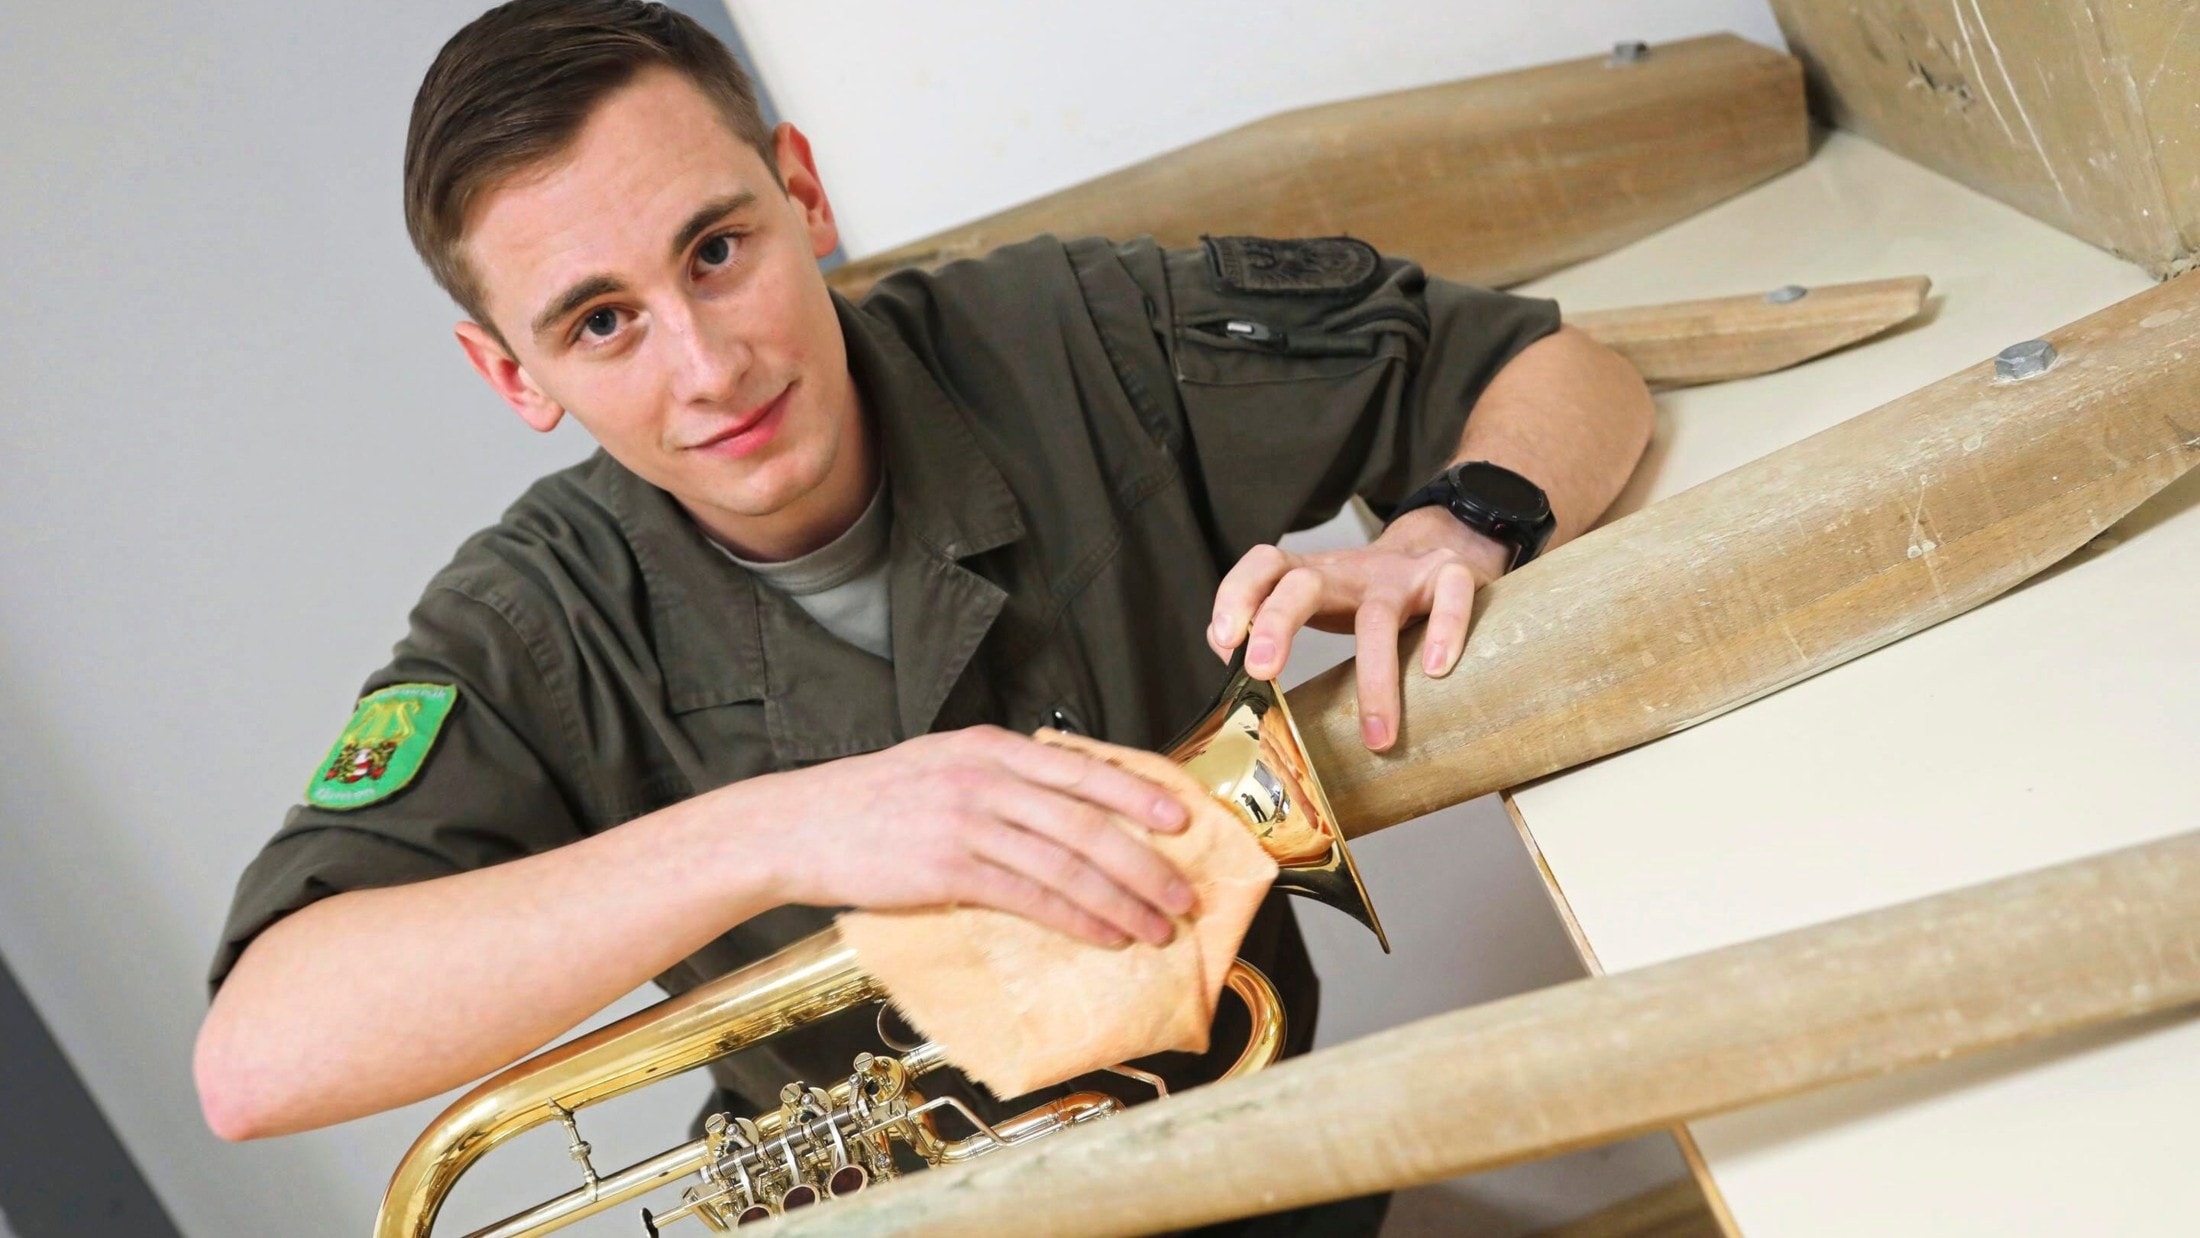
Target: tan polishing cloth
<point>1018,1006</point>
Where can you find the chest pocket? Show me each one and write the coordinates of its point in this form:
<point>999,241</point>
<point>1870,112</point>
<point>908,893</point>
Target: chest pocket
<point>1249,311</point>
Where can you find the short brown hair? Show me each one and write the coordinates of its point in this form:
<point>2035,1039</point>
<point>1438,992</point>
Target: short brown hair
<point>515,86</point>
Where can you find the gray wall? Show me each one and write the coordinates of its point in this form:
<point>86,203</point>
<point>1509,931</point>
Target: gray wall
<point>237,438</point>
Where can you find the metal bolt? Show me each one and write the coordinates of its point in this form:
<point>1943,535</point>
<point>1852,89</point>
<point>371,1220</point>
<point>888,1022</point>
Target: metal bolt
<point>1627,54</point>
<point>1787,294</point>
<point>2027,360</point>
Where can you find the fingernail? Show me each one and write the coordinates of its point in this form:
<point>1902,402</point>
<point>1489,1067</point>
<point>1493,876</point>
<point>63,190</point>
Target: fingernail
<point>1117,942</point>
<point>1260,653</point>
<point>1221,631</point>
<point>1432,658</point>
<point>1374,730</point>
<point>1167,813</point>
<point>1160,932</point>
<point>1179,898</point>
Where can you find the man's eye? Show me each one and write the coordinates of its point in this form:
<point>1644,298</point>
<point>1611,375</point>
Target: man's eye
<point>717,251</point>
<point>601,323</point>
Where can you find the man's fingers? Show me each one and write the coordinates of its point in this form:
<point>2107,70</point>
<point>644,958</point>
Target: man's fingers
<point>1070,875</point>
<point>1375,633</point>
<point>1290,604</point>
<point>1096,782</point>
<point>1005,889</point>
<point>1450,611</point>
<point>1240,595</point>
<point>1102,840</point>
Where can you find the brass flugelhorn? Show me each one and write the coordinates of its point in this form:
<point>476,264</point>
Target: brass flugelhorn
<point>827,1141</point>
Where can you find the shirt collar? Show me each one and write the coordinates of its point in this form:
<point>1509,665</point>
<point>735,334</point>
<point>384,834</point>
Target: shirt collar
<point>949,502</point>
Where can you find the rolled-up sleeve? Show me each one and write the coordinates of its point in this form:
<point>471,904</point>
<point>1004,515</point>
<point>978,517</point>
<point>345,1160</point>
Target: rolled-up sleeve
<point>485,790</point>
<point>1292,398</point>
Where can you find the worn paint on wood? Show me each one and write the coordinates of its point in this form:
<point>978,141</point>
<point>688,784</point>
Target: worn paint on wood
<point>1788,565</point>
<point>2083,113</point>
<point>1491,180</point>
<point>1683,343</point>
<point>2105,938</point>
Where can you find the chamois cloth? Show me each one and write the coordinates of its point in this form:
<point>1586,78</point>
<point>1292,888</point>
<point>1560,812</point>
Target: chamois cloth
<point>1018,1006</point>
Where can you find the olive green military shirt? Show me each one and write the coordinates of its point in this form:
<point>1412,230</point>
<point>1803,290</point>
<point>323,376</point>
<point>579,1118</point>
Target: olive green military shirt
<point>1079,438</point>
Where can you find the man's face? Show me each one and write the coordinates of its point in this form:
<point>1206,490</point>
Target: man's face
<point>655,282</point>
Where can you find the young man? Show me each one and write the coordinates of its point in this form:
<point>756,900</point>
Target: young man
<point>774,649</point>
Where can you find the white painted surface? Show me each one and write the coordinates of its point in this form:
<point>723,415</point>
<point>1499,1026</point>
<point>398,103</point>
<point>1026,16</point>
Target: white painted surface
<point>238,439</point>
<point>2058,721</point>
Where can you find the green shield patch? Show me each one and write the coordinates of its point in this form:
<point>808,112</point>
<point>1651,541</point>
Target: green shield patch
<point>383,745</point>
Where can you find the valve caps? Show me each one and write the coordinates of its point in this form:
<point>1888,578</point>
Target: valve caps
<point>800,1195</point>
<point>847,1180</point>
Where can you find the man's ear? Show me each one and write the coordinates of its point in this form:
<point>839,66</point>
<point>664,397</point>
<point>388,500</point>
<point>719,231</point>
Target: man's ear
<point>798,172</point>
<point>505,376</point>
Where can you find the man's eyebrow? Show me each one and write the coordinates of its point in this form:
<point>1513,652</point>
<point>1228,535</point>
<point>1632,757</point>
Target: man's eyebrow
<point>597,285</point>
<point>572,299</point>
<point>706,215</point>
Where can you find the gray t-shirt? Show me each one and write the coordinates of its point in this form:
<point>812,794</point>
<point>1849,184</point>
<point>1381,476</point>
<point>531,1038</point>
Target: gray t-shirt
<point>842,584</point>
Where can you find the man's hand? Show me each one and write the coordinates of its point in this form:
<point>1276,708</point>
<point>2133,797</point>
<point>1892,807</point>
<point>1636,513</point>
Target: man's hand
<point>1566,411</point>
<point>982,816</point>
<point>1425,563</point>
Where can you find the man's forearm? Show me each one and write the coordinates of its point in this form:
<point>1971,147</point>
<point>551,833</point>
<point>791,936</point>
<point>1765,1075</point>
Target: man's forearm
<point>1570,415</point>
<point>378,998</point>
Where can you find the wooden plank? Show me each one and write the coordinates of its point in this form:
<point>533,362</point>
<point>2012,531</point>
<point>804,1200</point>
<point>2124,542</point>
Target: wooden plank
<point>2105,938</point>
<point>2082,113</point>
<point>1490,180</point>
<point>1683,343</point>
<point>1806,558</point>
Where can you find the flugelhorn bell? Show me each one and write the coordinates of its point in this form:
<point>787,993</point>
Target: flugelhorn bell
<point>1245,750</point>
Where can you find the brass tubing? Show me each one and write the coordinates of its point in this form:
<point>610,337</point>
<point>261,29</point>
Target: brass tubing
<point>630,1183</point>
<point>1264,1017</point>
<point>806,981</point>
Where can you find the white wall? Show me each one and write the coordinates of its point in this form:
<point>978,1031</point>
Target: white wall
<point>237,438</point>
<point>926,115</point>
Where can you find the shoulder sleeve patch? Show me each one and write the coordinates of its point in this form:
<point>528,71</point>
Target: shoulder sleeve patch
<point>383,746</point>
<point>1308,266</point>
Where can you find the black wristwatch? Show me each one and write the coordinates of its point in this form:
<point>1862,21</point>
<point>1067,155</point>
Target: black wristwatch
<point>1495,502</point>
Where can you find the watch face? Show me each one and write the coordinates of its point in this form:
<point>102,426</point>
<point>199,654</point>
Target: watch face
<point>1500,491</point>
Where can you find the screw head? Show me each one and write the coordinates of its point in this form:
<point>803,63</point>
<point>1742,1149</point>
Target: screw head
<point>2026,360</point>
<point>1627,53</point>
<point>1787,294</point>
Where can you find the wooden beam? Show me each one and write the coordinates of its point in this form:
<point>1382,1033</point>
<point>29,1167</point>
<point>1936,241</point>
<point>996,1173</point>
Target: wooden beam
<point>2105,938</point>
<point>1491,180</point>
<point>1788,565</point>
<point>1683,343</point>
<point>2082,114</point>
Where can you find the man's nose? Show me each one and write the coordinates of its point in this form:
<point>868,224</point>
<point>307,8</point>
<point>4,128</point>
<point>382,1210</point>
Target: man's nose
<point>707,361</point>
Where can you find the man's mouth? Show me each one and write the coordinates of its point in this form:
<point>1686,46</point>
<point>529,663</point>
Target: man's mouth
<point>751,431</point>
